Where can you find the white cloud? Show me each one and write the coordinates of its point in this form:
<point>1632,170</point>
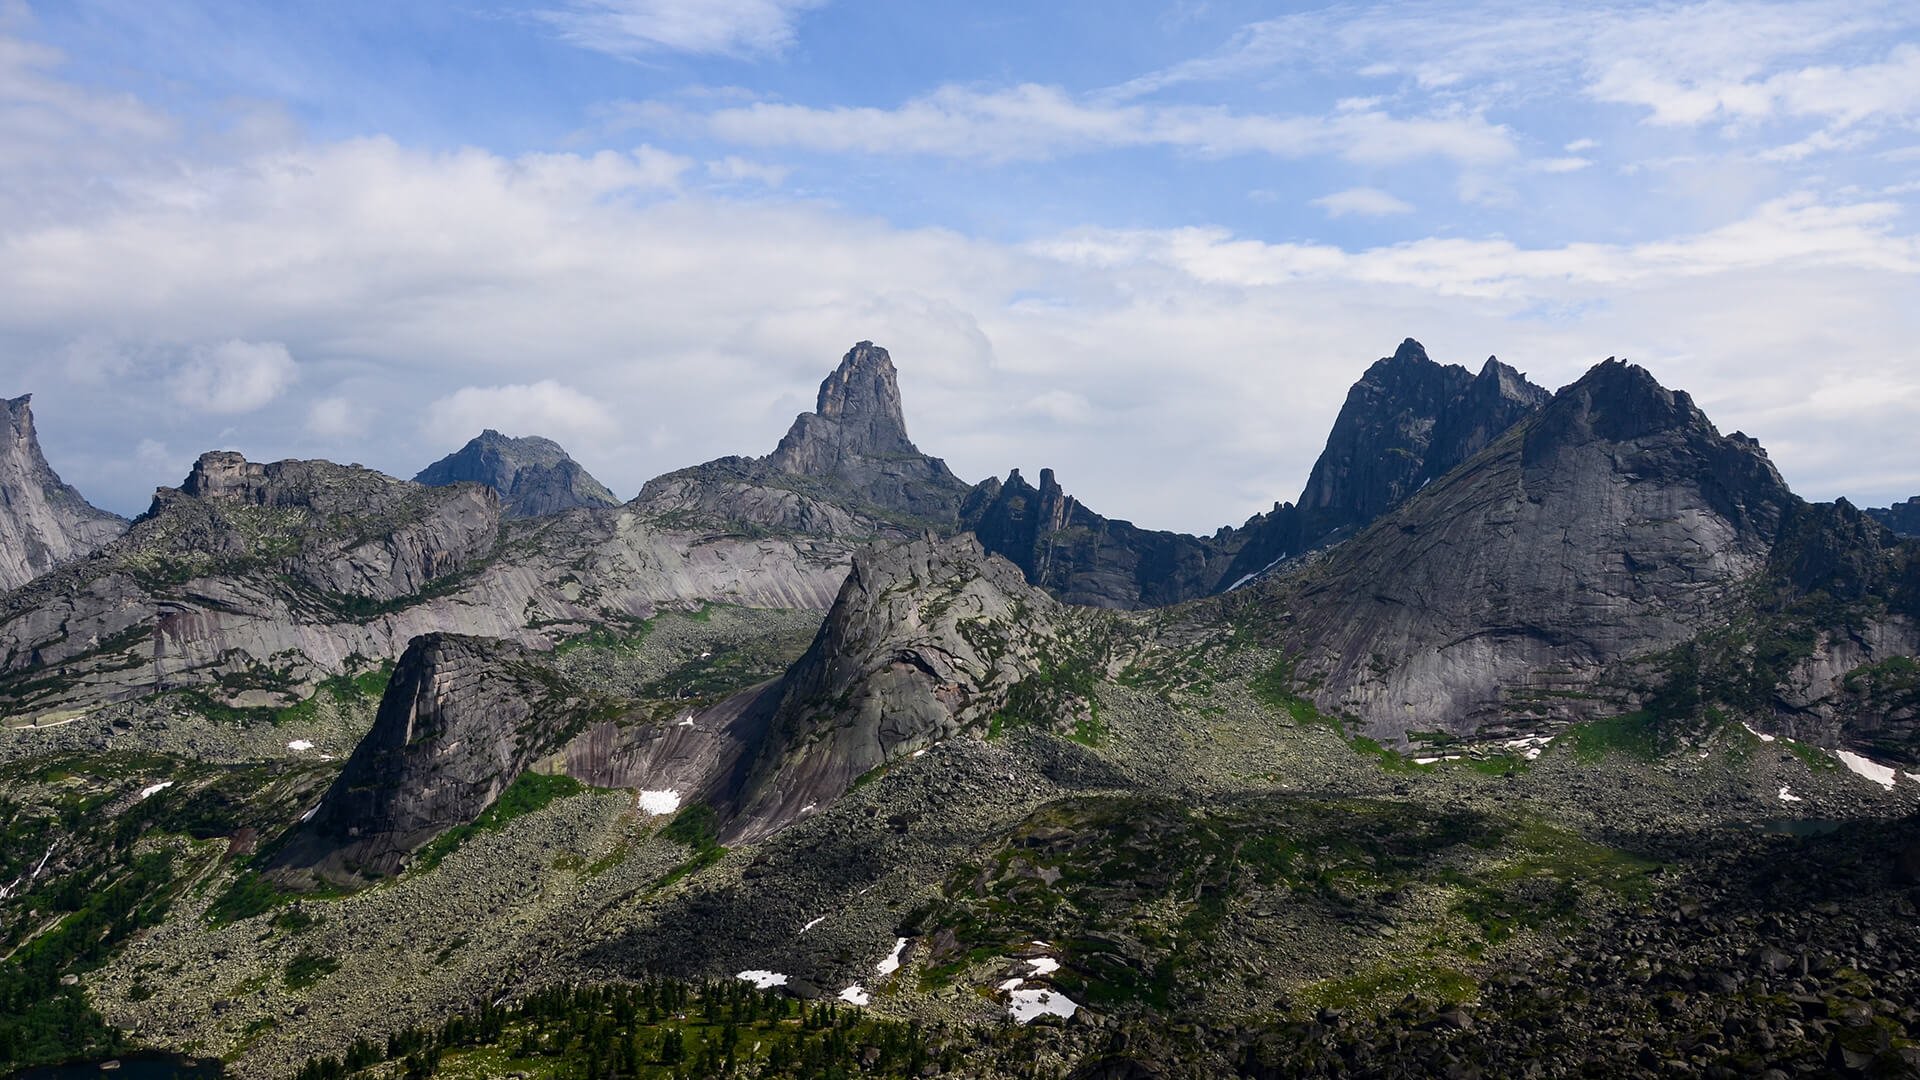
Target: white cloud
<point>1562,164</point>
<point>1680,64</point>
<point>1362,202</point>
<point>648,327</point>
<point>738,170</point>
<point>544,408</point>
<point>1035,122</point>
<point>740,28</point>
<point>338,417</point>
<point>1580,146</point>
<point>233,377</point>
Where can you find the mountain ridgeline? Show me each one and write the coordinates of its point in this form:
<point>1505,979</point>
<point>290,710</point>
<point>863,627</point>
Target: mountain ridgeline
<point>1533,708</point>
<point>532,476</point>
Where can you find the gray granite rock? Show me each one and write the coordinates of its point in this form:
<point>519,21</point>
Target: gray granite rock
<point>43,521</point>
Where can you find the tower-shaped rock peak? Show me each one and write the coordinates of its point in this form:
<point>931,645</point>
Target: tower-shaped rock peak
<point>43,521</point>
<point>858,416</point>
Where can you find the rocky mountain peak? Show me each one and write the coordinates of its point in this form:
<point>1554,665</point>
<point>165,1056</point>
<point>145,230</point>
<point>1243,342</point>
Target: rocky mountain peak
<point>858,415</point>
<point>460,719</point>
<point>926,638</point>
<point>1902,517</point>
<point>43,521</point>
<point>533,476</point>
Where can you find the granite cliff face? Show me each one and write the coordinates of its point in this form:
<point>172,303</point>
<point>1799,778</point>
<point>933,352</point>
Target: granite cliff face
<point>1084,558</point>
<point>926,640</point>
<point>1902,517</point>
<point>532,476</point>
<point>43,521</point>
<point>847,469</point>
<point>252,582</point>
<point>461,718</point>
<point>1405,424</point>
<point>1616,522</point>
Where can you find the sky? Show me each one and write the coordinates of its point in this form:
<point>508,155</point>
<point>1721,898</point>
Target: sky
<point>1148,245</point>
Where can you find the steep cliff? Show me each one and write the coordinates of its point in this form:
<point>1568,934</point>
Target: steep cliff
<point>43,521</point>
<point>461,719</point>
<point>533,476</point>
<point>1902,517</point>
<point>847,469</point>
<point>1614,523</point>
<point>1084,558</point>
<point>1407,422</point>
<point>926,639</point>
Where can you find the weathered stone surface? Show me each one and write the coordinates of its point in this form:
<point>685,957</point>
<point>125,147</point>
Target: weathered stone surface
<point>1615,522</point>
<point>925,639</point>
<point>1084,558</point>
<point>1406,423</point>
<point>1902,517</point>
<point>846,469</point>
<point>273,576</point>
<point>533,476</point>
<point>43,521</point>
<point>462,718</point>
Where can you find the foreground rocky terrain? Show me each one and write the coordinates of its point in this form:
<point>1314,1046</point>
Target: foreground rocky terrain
<point>1550,735</point>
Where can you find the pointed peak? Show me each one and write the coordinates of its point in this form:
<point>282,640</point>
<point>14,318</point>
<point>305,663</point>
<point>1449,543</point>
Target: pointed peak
<point>865,380</point>
<point>1410,351</point>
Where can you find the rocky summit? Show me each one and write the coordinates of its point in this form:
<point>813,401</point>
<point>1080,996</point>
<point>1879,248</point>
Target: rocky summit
<point>1901,517</point>
<point>1545,734</point>
<point>43,521</point>
<point>532,476</point>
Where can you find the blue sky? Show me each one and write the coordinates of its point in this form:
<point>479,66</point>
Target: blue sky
<point>1148,245</point>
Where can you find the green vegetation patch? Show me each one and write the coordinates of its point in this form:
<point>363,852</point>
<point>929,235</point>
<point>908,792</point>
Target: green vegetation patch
<point>529,792</point>
<point>307,969</point>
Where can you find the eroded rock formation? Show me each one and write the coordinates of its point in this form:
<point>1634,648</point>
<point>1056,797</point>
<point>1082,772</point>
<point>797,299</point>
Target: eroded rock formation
<point>43,521</point>
<point>532,476</point>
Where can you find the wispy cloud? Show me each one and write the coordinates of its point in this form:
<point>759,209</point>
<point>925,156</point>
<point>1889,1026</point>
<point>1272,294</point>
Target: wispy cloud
<point>1713,61</point>
<point>1362,202</point>
<point>629,28</point>
<point>1034,122</point>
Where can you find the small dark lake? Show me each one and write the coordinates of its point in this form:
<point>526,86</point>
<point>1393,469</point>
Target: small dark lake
<point>1801,827</point>
<point>137,1066</point>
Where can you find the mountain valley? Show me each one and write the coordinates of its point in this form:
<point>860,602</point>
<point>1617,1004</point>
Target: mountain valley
<point>1544,733</point>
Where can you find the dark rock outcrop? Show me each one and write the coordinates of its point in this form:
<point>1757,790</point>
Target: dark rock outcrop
<point>1082,557</point>
<point>1406,423</point>
<point>43,521</point>
<point>461,719</point>
<point>252,582</point>
<point>847,469</point>
<point>926,639</point>
<point>1614,523</point>
<point>1902,517</point>
<point>533,476</point>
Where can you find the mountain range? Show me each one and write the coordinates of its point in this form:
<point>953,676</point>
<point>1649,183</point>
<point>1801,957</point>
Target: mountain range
<point>1465,730</point>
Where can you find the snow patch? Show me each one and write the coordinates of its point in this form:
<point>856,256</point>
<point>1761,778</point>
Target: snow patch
<point>892,963</point>
<point>1787,795</point>
<point>659,802</point>
<point>686,721</point>
<point>1762,736</point>
<point>1044,965</point>
<point>1529,746</point>
<point>1029,1005</point>
<point>810,808</point>
<point>920,752</point>
<point>813,924</point>
<point>1012,984</point>
<point>855,995</point>
<point>1867,767</point>
<point>154,789</point>
<point>308,816</point>
<point>300,744</point>
<point>765,980</point>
